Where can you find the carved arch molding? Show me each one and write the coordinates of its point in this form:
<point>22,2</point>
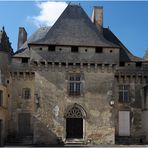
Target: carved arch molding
<point>75,111</point>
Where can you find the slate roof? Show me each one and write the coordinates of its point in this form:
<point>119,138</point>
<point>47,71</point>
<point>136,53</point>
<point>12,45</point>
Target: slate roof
<point>125,54</point>
<point>37,35</point>
<point>74,27</point>
<point>5,45</point>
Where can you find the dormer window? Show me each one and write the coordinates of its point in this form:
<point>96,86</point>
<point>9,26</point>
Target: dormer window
<point>51,48</point>
<point>25,60</point>
<point>74,49</point>
<point>99,50</point>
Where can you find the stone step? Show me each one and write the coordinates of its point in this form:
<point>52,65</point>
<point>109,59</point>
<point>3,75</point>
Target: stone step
<point>14,141</point>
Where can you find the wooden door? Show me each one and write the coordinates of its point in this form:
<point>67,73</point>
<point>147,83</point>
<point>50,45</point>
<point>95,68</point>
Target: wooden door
<point>24,124</point>
<point>74,128</point>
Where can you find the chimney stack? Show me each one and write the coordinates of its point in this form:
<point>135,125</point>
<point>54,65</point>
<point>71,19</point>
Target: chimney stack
<point>97,17</point>
<point>22,37</point>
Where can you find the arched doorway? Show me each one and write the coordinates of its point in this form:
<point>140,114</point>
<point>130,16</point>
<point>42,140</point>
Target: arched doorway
<point>75,118</point>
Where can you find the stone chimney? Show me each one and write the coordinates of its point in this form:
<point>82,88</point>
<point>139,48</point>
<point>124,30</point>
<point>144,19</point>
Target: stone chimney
<point>22,37</point>
<point>97,17</point>
<point>146,55</point>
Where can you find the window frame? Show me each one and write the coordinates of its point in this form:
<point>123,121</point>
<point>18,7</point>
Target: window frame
<point>26,93</point>
<point>74,86</point>
<point>125,93</point>
<point>51,48</point>
<point>98,50</point>
<point>24,60</point>
<point>74,49</point>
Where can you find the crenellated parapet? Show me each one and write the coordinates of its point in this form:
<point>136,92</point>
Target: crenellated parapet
<point>66,66</point>
<point>25,75</point>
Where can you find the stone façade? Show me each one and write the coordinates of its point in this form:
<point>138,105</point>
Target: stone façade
<point>46,73</point>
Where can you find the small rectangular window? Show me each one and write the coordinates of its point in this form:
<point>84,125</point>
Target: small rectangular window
<point>99,50</point>
<point>74,49</point>
<point>122,64</point>
<point>1,97</point>
<point>51,48</point>
<point>74,85</point>
<point>26,93</point>
<point>124,93</point>
<point>138,64</point>
<point>25,60</point>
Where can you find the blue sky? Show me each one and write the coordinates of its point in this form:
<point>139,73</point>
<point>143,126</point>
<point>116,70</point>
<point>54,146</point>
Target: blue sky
<point>128,20</point>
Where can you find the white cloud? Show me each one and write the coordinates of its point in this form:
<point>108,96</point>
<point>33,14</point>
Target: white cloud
<point>49,13</point>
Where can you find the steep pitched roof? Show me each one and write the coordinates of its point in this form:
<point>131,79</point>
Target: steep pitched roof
<point>5,45</point>
<point>74,27</point>
<point>37,35</point>
<point>125,54</point>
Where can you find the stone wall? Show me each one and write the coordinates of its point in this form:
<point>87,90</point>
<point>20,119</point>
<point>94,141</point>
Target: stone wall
<point>51,87</point>
<point>4,114</point>
<point>17,103</point>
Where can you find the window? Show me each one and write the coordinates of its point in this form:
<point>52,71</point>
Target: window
<point>99,50</point>
<point>51,48</point>
<point>74,49</point>
<point>74,85</point>
<point>122,64</point>
<point>26,93</point>
<point>145,98</point>
<point>25,60</point>
<point>1,97</point>
<point>138,64</point>
<point>123,93</point>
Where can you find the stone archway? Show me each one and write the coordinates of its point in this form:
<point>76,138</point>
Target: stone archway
<point>75,118</point>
